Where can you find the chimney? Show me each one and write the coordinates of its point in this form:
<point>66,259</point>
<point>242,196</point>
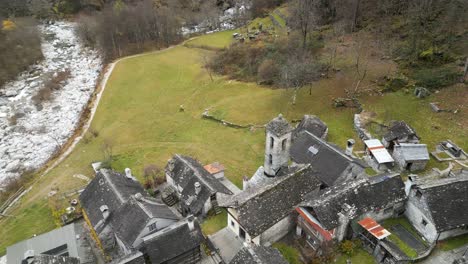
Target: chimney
<point>197,188</point>
<point>245,183</point>
<point>29,256</point>
<point>128,173</point>
<point>191,222</point>
<point>349,147</point>
<point>105,211</point>
<point>138,196</point>
<point>410,182</point>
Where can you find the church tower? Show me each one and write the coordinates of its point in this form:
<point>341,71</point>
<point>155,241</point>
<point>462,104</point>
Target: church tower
<point>278,142</point>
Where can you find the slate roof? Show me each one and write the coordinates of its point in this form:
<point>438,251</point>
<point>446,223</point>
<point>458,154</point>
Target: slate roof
<point>135,214</point>
<point>329,160</point>
<point>254,254</point>
<point>313,125</point>
<point>172,241</point>
<point>68,239</point>
<point>260,208</point>
<point>279,126</point>
<point>135,257</point>
<point>413,152</point>
<point>107,188</point>
<point>399,130</point>
<point>363,195</point>
<point>47,259</point>
<point>447,201</point>
<point>185,171</point>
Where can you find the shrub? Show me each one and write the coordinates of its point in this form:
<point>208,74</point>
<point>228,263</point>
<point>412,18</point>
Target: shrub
<point>267,72</point>
<point>20,46</point>
<point>53,83</point>
<point>261,61</point>
<point>349,247</point>
<point>436,77</point>
<point>151,171</point>
<point>68,6</point>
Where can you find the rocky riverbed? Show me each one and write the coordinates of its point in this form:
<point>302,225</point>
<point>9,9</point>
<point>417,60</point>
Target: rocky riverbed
<point>31,132</point>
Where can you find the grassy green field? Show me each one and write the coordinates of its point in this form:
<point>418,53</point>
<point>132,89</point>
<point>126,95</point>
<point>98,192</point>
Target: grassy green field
<point>219,40</point>
<point>453,242</point>
<point>291,254</point>
<point>360,256</point>
<point>214,223</point>
<point>139,117</point>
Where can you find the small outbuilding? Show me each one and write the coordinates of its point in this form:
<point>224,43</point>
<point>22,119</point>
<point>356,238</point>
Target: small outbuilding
<point>399,132</point>
<point>378,153</point>
<point>411,157</point>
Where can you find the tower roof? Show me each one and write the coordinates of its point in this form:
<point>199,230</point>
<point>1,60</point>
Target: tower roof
<point>279,126</point>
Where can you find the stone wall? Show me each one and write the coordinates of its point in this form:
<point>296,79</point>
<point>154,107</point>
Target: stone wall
<point>361,131</point>
<point>206,115</point>
<point>416,211</point>
<point>277,231</point>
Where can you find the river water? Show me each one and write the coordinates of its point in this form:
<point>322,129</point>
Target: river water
<point>38,133</point>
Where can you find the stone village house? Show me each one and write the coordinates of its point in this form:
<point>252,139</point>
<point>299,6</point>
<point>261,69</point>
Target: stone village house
<point>125,220</point>
<point>264,211</point>
<point>254,254</point>
<point>325,218</point>
<point>333,164</point>
<point>196,188</point>
<point>438,208</point>
<point>264,214</point>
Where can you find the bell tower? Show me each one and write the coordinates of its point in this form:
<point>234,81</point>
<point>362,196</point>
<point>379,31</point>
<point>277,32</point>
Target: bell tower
<point>278,142</point>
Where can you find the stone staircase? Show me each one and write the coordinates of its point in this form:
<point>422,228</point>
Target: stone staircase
<point>216,207</point>
<point>169,196</point>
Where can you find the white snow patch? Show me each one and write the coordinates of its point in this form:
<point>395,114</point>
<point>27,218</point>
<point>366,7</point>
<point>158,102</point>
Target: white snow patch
<point>39,133</point>
<point>3,260</point>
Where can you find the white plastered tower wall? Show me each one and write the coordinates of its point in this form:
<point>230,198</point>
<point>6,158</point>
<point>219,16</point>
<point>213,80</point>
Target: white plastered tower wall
<point>277,145</point>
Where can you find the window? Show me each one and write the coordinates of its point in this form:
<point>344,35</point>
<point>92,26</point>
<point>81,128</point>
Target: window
<point>424,222</point>
<point>270,159</point>
<point>283,144</point>
<point>272,142</point>
<point>232,223</point>
<point>152,227</point>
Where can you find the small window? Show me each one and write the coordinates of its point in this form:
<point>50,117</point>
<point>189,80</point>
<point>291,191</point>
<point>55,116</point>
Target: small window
<point>232,223</point>
<point>283,144</point>
<point>272,142</point>
<point>152,227</point>
<point>424,222</point>
<point>270,157</point>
